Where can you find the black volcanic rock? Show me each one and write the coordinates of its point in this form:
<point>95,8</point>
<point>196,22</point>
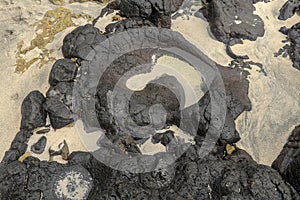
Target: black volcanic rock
<point>33,113</point>
<point>292,49</point>
<point>12,181</point>
<point>289,9</point>
<point>164,138</point>
<point>228,133</point>
<point>142,106</point>
<point>63,70</point>
<point>189,177</point>
<point>134,22</point>
<point>237,101</point>
<point>39,146</point>
<point>59,114</point>
<point>294,37</point>
<point>255,1</point>
<point>135,8</point>
<point>121,171</point>
<point>288,161</point>
<point>62,91</point>
<point>158,12</point>
<point>124,116</point>
<point>233,19</point>
<point>79,43</point>
<point>18,146</point>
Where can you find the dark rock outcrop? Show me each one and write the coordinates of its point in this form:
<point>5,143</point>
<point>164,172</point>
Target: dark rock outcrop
<point>233,19</point>
<point>234,176</point>
<point>39,146</point>
<point>255,1</point>
<point>121,171</point>
<point>63,70</point>
<point>294,38</point>
<point>79,43</point>
<point>163,138</point>
<point>33,113</point>
<point>18,146</point>
<point>289,9</point>
<point>157,12</point>
<point>292,49</point>
<point>59,114</point>
<point>62,91</point>
<point>135,22</point>
<point>131,116</point>
<point>288,161</point>
<point>34,178</point>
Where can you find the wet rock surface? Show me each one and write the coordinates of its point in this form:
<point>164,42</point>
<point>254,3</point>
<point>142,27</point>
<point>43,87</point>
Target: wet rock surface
<point>233,19</point>
<point>33,113</point>
<point>289,9</point>
<point>39,146</point>
<point>292,49</point>
<point>287,163</point>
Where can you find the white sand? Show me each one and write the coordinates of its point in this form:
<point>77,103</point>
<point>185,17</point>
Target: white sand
<point>264,130</point>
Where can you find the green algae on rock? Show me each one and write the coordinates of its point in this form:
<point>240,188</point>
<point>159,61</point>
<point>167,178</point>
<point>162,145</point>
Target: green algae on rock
<point>53,22</point>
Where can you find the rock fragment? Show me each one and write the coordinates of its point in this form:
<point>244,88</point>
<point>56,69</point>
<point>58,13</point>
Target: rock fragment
<point>233,19</point>
<point>292,49</point>
<point>59,114</point>
<point>62,91</point>
<point>18,146</point>
<point>289,9</point>
<point>164,138</point>
<point>63,70</point>
<point>79,43</point>
<point>157,12</point>
<point>33,113</point>
<point>39,146</point>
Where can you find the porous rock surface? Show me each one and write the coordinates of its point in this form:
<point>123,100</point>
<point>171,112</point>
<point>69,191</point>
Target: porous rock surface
<point>287,163</point>
<point>18,146</point>
<point>214,177</point>
<point>158,12</point>
<point>33,113</point>
<point>80,41</point>
<point>59,114</point>
<point>63,70</point>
